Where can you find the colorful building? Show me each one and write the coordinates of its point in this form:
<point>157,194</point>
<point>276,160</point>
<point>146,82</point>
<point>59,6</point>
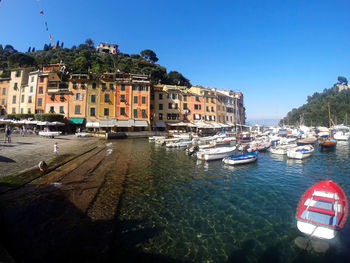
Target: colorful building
<point>28,94</point>
<point>19,79</point>
<point>92,102</point>
<point>107,99</point>
<point>41,90</point>
<point>78,85</point>
<point>4,87</point>
<point>57,95</point>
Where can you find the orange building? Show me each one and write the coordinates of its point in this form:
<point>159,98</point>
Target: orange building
<point>56,97</point>
<point>193,107</point>
<point>41,91</point>
<point>78,85</point>
<point>4,87</point>
<point>107,97</point>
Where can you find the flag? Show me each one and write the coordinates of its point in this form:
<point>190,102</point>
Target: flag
<point>57,54</point>
<point>50,37</point>
<point>41,12</point>
<point>47,28</point>
<point>332,122</point>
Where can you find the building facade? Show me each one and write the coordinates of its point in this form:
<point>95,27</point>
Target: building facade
<point>4,87</point>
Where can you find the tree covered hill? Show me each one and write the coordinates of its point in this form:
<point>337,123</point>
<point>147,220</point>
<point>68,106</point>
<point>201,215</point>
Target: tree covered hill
<point>84,58</point>
<point>315,111</point>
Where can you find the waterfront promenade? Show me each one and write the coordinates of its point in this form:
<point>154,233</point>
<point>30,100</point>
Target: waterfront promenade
<point>26,152</point>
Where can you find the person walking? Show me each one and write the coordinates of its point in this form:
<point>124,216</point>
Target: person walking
<point>8,135</point>
<point>55,148</point>
<point>5,139</point>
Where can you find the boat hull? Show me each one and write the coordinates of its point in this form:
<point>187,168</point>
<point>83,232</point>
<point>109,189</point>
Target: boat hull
<point>300,152</point>
<point>242,159</point>
<point>212,154</point>
<point>322,210</point>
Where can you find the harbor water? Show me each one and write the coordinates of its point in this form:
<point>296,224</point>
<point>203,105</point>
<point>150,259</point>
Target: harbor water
<point>181,209</point>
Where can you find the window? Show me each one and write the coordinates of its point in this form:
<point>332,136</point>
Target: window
<point>143,100</point>
<point>135,99</point>
<point>106,112</point>
<point>168,116</point>
<point>22,111</point>
<point>170,106</point>
<point>13,110</point>
<point>135,113</point>
<point>207,99</point>
<point>122,88</point>
<point>29,110</point>
<point>92,111</point>
<point>32,80</point>
<point>160,117</point>
<point>176,106</point>
<point>93,98</point>
<point>62,97</point>
<point>103,86</point>
<point>168,96</point>
<point>82,85</point>
<point>160,96</point>
<point>173,96</point>
<point>15,87</point>
<point>226,118</point>
<point>52,97</point>
<point>40,102</point>
<point>197,98</point>
<point>122,98</point>
<point>122,111</point>
<point>212,109</point>
<point>143,113</point>
<point>78,96</point>
<point>94,85</point>
<point>2,101</point>
<point>41,90</point>
<point>77,109</point>
<point>75,85</point>
<point>197,106</point>
<point>174,116</point>
<point>41,79</point>
<point>197,116</point>
<point>207,108</point>
<point>52,109</point>
<point>14,99</point>
<point>185,98</point>
<point>111,86</point>
<point>62,109</point>
<point>212,100</point>
<point>29,99</point>
<point>18,74</point>
<point>185,106</point>
<point>3,91</point>
<point>160,106</point>
<point>23,89</point>
<point>22,98</point>
<point>31,89</point>
<point>107,97</point>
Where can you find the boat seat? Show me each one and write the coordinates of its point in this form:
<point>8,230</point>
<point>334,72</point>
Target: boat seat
<point>323,198</point>
<point>321,218</point>
<point>321,210</point>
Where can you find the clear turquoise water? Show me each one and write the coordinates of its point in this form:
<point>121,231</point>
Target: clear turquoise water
<point>180,209</point>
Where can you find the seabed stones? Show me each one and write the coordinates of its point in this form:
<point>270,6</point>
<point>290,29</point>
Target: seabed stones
<point>317,245</point>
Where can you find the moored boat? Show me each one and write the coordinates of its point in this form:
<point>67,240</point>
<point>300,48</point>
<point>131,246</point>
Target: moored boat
<point>241,159</point>
<point>282,149</point>
<point>306,141</point>
<point>215,153</point>
<point>322,210</point>
<point>328,143</point>
<point>300,152</point>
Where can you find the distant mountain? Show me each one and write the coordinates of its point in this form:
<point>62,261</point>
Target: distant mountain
<point>315,111</point>
<point>264,122</point>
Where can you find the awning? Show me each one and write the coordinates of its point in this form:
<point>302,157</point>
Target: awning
<point>92,124</point>
<point>108,123</point>
<point>183,124</point>
<point>126,123</point>
<point>160,124</point>
<point>141,123</point>
<point>76,120</point>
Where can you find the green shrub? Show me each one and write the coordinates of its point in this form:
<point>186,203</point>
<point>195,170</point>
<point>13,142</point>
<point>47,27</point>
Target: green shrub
<point>49,117</point>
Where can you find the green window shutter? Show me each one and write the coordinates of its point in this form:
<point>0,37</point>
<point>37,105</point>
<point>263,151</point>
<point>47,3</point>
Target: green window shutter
<point>122,88</point>
<point>135,113</point>
<point>135,99</point>
<point>122,111</point>
<point>94,85</point>
<point>143,113</point>
<point>143,100</point>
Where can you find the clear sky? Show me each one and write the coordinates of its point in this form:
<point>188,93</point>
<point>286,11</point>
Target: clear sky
<point>277,52</point>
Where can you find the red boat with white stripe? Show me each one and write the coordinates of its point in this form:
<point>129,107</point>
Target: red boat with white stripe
<point>322,210</point>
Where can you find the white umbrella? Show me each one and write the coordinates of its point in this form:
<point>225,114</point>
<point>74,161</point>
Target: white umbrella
<point>45,123</point>
<point>57,123</point>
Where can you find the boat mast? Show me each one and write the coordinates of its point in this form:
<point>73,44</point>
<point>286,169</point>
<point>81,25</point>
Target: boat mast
<point>329,116</point>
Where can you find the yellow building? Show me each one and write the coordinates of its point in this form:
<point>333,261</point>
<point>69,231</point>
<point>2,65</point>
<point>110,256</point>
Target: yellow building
<point>107,97</point>
<point>92,102</point>
<point>19,79</point>
<point>4,87</point>
<point>28,93</point>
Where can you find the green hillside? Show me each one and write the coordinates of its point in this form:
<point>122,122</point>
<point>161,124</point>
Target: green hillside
<point>315,111</point>
<point>84,58</point>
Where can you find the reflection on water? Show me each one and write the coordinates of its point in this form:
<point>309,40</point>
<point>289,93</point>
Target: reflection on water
<point>210,212</point>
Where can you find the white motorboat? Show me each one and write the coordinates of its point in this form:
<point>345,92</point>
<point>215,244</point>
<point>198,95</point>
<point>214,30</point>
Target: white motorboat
<point>241,159</point>
<point>341,136</point>
<point>215,153</point>
<point>83,134</point>
<point>178,144</point>
<point>300,152</point>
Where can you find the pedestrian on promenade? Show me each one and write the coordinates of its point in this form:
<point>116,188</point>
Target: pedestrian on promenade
<point>55,148</point>
<point>8,132</point>
<point>5,139</point>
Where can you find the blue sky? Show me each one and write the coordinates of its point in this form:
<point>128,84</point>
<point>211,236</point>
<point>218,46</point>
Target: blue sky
<point>277,52</point>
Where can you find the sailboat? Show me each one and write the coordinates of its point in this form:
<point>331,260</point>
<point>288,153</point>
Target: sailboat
<point>330,142</point>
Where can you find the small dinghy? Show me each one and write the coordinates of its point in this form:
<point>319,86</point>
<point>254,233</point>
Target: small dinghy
<point>322,210</point>
<point>241,159</point>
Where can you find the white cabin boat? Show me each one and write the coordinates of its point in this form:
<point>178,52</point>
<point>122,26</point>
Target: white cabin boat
<point>300,152</point>
<point>50,134</point>
<point>215,153</point>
